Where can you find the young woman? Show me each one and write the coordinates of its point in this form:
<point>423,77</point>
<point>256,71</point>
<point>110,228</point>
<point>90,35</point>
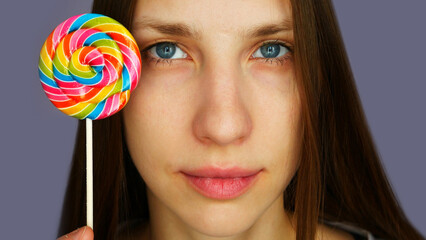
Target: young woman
<point>246,125</point>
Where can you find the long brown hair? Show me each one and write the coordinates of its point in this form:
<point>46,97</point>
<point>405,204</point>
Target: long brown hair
<point>340,177</point>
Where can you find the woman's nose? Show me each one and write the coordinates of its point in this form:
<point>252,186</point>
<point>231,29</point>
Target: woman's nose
<point>222,117</point>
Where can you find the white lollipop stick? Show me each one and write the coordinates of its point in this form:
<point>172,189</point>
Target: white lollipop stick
<point>89,173</point>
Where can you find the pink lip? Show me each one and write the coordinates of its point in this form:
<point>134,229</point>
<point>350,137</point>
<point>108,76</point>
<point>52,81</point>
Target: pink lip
<point>220,183</point>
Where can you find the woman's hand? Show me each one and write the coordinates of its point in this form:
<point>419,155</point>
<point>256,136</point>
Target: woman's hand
<point>83,233</point>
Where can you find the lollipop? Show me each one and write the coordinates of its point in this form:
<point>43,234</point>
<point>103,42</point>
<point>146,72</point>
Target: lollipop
<point>88,66</point>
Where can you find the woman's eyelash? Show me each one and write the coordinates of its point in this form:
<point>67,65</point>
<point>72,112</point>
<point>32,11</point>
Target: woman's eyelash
<point>276,60</point>
<point>160,60</point>
<point>285,44</point>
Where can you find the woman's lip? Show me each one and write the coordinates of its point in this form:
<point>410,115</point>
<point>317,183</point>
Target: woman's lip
<point>214,172</point>
<point>222,184</point>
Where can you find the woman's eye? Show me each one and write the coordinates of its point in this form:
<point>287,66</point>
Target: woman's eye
<point>164,51</point>
<point>167,50</point>
<point>271,50</point>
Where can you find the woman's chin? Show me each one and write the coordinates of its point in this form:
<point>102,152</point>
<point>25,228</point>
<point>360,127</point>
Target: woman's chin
<point>222,226</point>
<point>222,219</point>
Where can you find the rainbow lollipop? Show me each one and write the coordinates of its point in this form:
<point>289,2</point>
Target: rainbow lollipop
<point>88,66</point>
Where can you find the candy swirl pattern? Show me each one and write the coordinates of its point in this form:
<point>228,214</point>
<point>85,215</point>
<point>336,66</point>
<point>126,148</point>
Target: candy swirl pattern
<point>89,65</point>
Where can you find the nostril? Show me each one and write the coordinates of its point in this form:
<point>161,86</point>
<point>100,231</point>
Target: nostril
<point>240,140</point>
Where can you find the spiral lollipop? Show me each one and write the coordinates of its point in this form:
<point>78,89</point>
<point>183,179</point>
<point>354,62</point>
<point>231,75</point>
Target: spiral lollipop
<point>89,65</point>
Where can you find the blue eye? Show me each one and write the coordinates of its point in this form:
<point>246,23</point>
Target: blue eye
<point>271,50</point>
<point>167,50</point>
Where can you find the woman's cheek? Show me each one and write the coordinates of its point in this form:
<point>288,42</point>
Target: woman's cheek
<point>161,105</point>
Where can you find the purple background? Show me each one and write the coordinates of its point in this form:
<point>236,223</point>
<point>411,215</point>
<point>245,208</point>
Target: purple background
<point>385,41</point>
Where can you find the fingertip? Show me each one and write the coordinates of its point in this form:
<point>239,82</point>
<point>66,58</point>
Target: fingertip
<point>87,233</point>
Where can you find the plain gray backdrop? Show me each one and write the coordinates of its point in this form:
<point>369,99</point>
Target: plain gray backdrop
<point>385,41</point>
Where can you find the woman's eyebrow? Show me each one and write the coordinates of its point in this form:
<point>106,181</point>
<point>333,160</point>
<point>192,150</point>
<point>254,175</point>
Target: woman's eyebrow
<point>268,29</point>
<point>184,30</point>
<point>178,29</point>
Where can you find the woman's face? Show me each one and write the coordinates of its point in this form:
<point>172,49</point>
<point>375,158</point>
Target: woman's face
<point>214,126</point>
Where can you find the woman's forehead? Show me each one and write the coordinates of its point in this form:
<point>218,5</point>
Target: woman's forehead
<point>193,18</point>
